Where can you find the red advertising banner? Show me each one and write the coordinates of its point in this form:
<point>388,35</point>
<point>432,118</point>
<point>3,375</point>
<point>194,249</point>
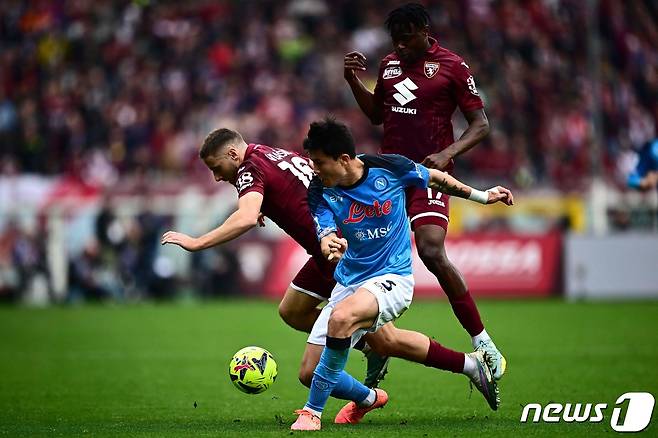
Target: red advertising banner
<point>494,265</point>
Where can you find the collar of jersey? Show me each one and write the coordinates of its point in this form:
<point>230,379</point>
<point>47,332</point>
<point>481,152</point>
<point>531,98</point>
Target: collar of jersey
<point>360,180</point>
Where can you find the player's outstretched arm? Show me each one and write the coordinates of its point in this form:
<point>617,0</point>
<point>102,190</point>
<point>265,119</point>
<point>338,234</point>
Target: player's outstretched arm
<point>450,185</point>
<point>242,220</point>
<point>355,61</point>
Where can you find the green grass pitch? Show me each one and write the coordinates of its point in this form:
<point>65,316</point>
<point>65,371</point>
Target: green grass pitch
<point>138,370</point>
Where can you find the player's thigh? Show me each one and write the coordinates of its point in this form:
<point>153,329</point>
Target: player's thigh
<point>430,242</point>
<point>393,293</point>
<point>295,302</point>
<point>359,310</point>
<point>315,279</point>
<point>405,344</point>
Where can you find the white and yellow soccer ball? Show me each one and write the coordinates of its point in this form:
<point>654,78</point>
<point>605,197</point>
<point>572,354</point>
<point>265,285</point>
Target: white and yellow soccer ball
<point>252,370</point>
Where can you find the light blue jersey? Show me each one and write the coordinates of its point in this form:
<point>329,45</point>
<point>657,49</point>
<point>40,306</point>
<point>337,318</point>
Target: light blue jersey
<point>371,215</point>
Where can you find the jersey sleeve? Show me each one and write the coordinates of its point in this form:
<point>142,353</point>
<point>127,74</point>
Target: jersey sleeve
<point>415,174</point>
<point>408,172</point>
<point>465,91</point>
<point>250,179</point>
<point>323,217</point>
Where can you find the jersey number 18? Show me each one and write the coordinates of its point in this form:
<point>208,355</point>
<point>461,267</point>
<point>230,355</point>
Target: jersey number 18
<point>300,168</point>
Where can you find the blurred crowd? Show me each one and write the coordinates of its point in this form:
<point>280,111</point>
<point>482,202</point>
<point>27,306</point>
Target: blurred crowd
<point>102,89</point>
<point>119,261</point>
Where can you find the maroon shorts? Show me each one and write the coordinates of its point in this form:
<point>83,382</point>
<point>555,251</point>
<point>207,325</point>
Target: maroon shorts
<point>316,278</point>
<point>427,206</point>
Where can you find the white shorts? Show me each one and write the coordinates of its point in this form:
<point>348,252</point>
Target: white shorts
<point>393,292</point>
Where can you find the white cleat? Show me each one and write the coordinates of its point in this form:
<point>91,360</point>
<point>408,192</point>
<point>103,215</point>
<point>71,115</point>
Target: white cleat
<point>496,361</point>
<point>483,380</point>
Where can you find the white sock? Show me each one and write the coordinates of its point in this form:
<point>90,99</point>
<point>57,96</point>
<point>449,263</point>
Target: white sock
<point>482,336</point>
<point>470,366</point>
<point>369,400</point>
<point>313,411</point>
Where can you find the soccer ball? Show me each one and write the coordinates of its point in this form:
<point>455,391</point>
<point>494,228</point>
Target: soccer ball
<point>252,370</point>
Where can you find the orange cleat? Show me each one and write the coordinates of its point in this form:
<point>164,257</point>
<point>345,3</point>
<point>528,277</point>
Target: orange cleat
<point>306,421</point>
<point>352,413</point>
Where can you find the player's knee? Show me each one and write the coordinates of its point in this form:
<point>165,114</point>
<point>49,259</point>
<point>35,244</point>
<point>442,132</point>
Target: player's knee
<point>433,253</point>
<point>340,321</point>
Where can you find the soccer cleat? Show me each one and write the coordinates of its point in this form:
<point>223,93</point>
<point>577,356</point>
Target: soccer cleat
<point>496,361</point>
<point>306,421</point>
<point>351,413</point>
<point>483,380</point>
<point>377,369</point>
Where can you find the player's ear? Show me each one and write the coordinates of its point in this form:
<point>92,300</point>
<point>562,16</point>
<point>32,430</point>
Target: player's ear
<point>233,152</point>
<point>344,159</point>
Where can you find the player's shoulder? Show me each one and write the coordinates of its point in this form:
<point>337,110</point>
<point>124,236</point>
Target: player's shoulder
<point>448,58</point>
<point>397,164</point>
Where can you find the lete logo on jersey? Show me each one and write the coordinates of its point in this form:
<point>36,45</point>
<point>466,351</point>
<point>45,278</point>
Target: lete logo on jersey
<point>358,211</point>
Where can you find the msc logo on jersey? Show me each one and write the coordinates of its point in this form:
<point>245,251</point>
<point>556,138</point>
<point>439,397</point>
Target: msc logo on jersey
<point>244,180</point>
<point>373,233</point>
<point>431,68</point>
<point>381,183</point>
<point>392,72</point>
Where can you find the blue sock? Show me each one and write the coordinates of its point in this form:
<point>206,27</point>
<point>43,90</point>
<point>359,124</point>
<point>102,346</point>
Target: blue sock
<point>348,388</point>
<point>328,372</point>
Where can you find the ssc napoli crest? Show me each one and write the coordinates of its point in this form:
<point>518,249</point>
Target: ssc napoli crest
<point>431,68</point>
<point>381,183</point>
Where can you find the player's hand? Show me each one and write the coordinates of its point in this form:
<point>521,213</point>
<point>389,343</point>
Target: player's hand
<point>183,240</point>
<point>353,61</point>
<point>337,247</point>
<point>438,161</point>
<point>261,220</point>
<point>500,194</point>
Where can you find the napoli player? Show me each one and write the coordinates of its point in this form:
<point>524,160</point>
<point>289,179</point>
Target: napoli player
<point>364,198</point>
<point>645,173</point>
<point>419,86</point>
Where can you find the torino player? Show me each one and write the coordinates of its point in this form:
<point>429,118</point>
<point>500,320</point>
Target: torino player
<point>275,182</point>
<point>419,86</point>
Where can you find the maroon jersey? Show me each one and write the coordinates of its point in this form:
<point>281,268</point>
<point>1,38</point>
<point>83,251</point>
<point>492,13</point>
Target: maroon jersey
<point>282,177</point>
<point>418,101</point>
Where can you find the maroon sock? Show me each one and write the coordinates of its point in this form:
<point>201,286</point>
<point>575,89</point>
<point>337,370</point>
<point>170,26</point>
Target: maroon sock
<point>467,313</point>
<point>444,358</point>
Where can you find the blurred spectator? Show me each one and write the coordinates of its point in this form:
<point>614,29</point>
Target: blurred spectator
<point>121,87</point>
<point>90,278</point>
<point>215,272</point>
